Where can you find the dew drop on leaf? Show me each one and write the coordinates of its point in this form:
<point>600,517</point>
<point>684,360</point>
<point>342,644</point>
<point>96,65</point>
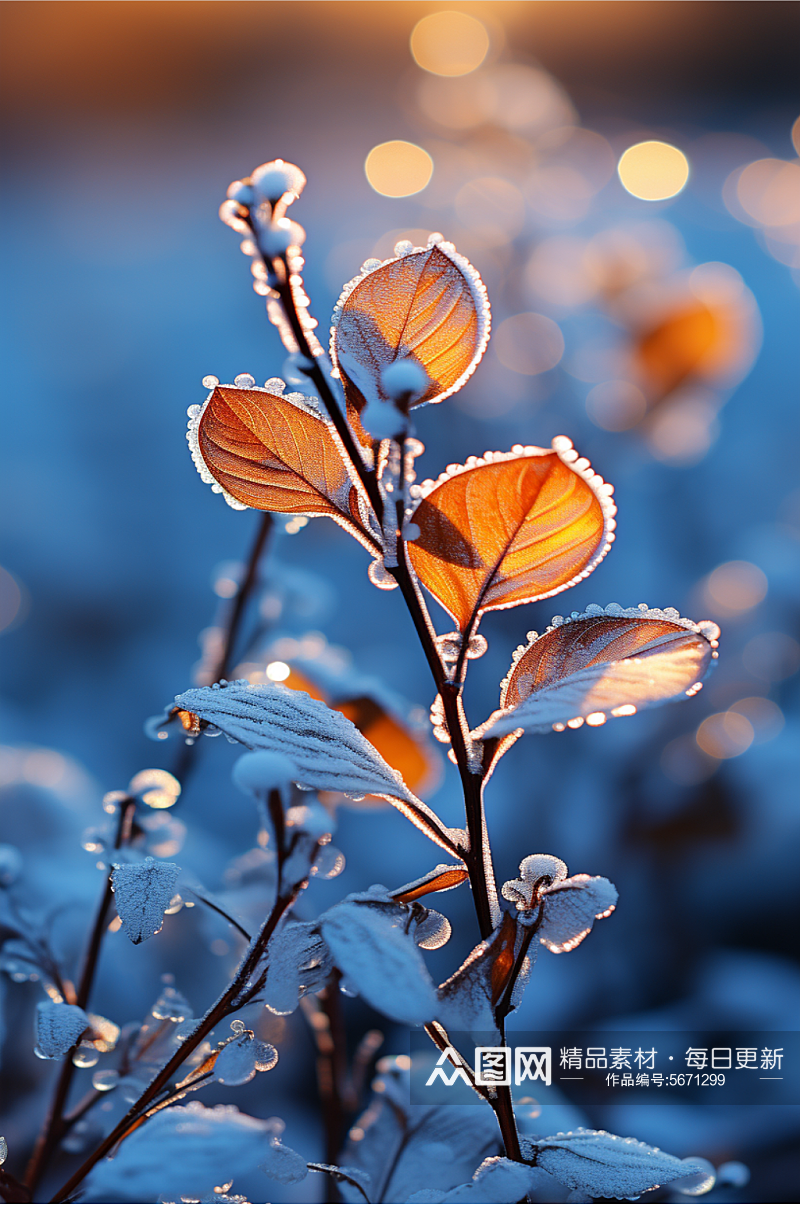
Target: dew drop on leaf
<point>380,576</point>
<point>328,863</point>
<point>104,1081</point>
<point>85,1056</point>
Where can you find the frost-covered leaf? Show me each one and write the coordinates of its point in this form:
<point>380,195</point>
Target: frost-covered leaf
<point>467,998</point>
<point>428,307</point>
<point>184,1151</point>
<point>510,528</point>
<point>604,1165</point>
<point>58,1028</point>
<point>372,947</point>
<point>299,962</point>
<point>329,752</point>
<point>378,715</point>
<point>430,1150</point>
<point>240,1059</point>
<point>441,878</point>
<point>273,452</point>
<point>570,908</point>
<point>603,663</point>
<point>536,872</point>
<point>142,892</point>
<point>497,1180</point>
<point>283,1164</point>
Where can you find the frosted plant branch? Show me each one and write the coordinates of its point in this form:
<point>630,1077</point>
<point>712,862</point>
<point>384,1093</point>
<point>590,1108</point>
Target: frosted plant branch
<point>53,1128</point>
<point>279,278</point>
<point>478,856</point>
<point>238,992</point>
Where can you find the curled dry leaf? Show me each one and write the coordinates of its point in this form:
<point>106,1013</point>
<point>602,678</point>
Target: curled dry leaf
<point>273,451</point>
<point>328,750</point>
<point>604,662</point>
<point>441,878</point>
<point>510,528</point>
<point>427,305</point>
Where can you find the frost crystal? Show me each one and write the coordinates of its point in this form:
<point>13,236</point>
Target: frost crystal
<point>142,892</point>
<point>58,1028</point>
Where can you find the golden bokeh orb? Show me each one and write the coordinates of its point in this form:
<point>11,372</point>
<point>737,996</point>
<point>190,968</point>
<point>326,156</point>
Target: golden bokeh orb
<point>653,171</point>
<point>449,43</point>
<point>398,169</point>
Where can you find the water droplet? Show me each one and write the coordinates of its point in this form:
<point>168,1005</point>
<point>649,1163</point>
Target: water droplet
<point>85,1055</point>
<point>476,647</point>
<point>244,380</point>
<point>433,932</point>
<point>104,1081</point>
<point>3,1150</point>
<point>237,1027</point>
<point>380,576</point>
<point>209,383</point>
<point>328,863</point>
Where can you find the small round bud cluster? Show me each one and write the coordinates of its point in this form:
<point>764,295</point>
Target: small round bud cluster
<point>404,379</point>
<point>262,771</point>
<point>277,181</point>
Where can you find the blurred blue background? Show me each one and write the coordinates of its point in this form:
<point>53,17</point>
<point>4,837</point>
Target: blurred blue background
<point>125,124</point>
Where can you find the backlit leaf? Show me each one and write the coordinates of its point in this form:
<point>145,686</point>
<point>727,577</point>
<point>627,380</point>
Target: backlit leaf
<point>676,347</point>
<point>272,451</point>
<point>441,878</point>
<point>600,664</point>
<point>510,528</point>
<point>329,752</point>
<point>428,306</point>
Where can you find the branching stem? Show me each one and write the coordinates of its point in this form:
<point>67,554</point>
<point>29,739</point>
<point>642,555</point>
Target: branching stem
<point>53,1127</point>
<point>212,1018</point>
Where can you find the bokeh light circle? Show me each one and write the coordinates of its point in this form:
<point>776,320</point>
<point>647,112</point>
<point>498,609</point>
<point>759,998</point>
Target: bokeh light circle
<point>449,43</point>
<point>653,171</point>
<point>398,168</point>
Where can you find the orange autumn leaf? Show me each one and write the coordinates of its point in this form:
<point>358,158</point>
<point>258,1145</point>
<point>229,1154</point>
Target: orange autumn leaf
<point>677,346</point>
<point>510,528</point>
<point>429,306</point>
<point>442,878</point>
<point>273,452</point>
<point>602,663</point>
